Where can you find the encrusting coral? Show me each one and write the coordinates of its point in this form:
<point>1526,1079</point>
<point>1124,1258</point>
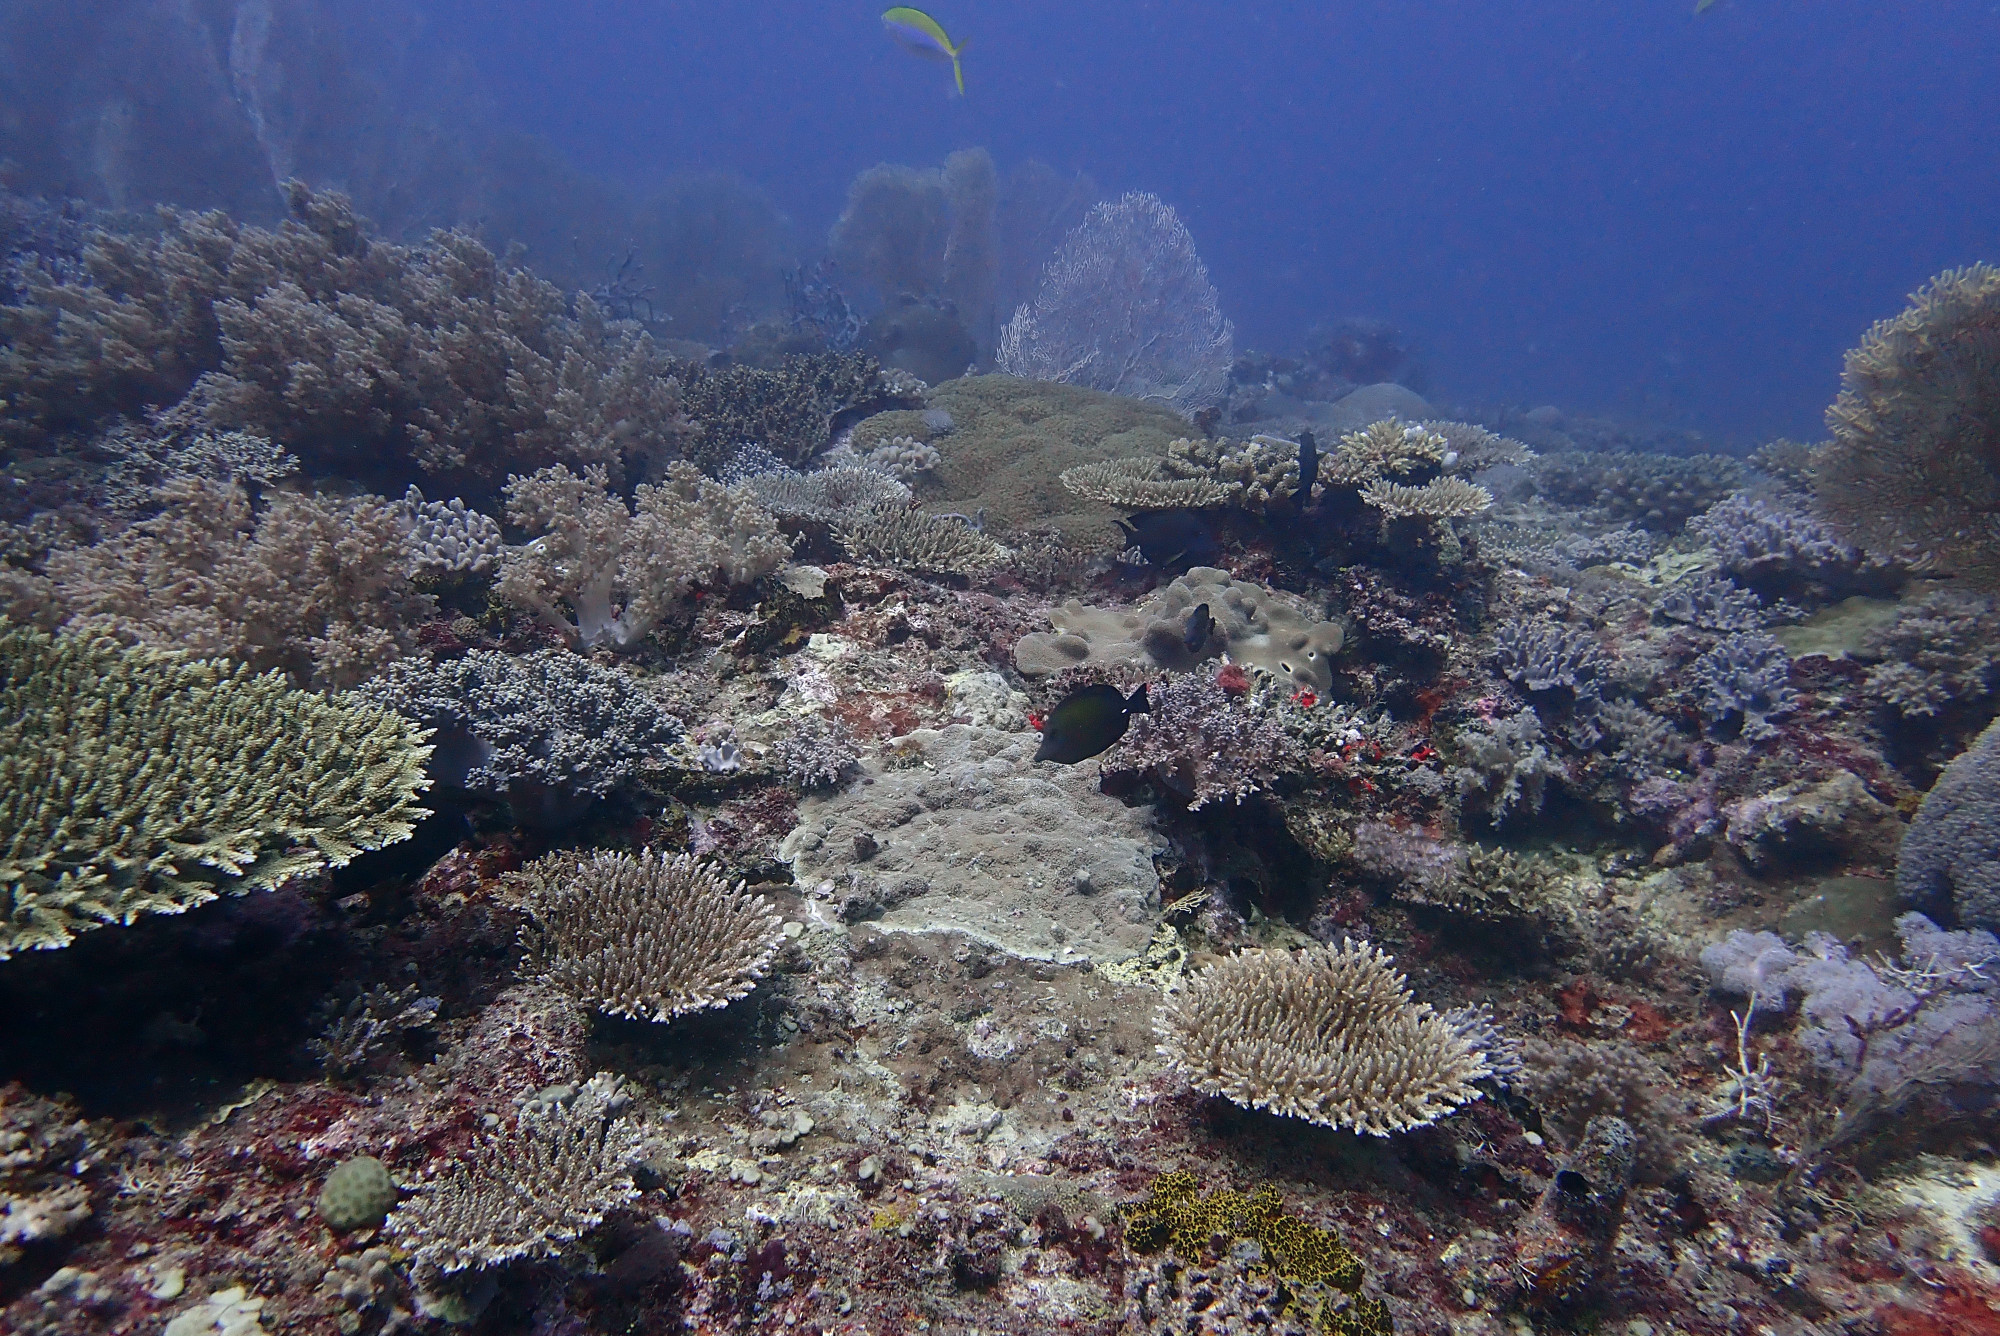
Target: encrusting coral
<point>604,575</point>
<point>648,935</point>
<point>133,782</point>
<point>1913,462</point>
<point>1330,1035</point>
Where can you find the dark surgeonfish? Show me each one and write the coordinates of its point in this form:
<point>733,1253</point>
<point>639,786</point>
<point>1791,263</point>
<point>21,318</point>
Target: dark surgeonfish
<point>1086,723</point>
<point>1199,623</point>
<point>1308,467</point>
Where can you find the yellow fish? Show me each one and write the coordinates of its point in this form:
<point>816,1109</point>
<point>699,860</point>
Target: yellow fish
<point>918,32</point>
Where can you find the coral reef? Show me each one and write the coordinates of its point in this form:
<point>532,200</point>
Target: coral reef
<point>981,840</point>
<point>1911,461</point>
<point>941,544</point>
<point>1252,625</point>
<point>138,783</point>
<point>1657,492</point>
<point>647,936</point>
<point>789,411</point>
<point>358,355</point>
<point>1742,684</point>
<point>601,574</point>
<point>1328,1035</point>
<point>41,1199</point>
<point>1010,441</point>
<point>448,540</point>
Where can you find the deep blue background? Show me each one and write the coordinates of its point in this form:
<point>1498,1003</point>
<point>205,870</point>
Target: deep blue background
<point>1599,203</point>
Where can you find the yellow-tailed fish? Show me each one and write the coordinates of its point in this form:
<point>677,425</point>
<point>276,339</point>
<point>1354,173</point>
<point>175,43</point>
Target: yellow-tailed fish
<point>918,32</point>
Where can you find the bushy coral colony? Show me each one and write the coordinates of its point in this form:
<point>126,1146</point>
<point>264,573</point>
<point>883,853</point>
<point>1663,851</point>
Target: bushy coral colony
<point>512,823</point>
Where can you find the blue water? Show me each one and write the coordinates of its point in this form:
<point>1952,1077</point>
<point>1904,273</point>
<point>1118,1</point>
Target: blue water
<point>1615,205</point>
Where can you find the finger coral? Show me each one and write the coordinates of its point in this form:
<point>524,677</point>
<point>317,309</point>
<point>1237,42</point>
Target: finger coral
<point>1330,1035</point>
<point>1913,461</point>
<point>528,1190</point>
<point>604,575</point>
<point>649,936</point>
<point>137,783</point>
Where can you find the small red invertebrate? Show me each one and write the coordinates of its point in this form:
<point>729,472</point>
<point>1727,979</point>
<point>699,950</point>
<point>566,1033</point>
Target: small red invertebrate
<point>1306,699</point>
<point>1035,722</point>
<point>1232,679</point>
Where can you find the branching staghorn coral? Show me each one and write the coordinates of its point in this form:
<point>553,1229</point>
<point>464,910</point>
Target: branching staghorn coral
<point>1744,680</point>
<point>1383,450</point>
<point>788,411</point>
<point>1438,499</point>
<point>315,586</point>
<point>1915,457</point>
<point>530,1189</point>
<point>941,544</point>
<point>133,782</point>
<point>1330,1035</point>
<point>604,575</point>
<point>828,494</point>
<point>649,935</point>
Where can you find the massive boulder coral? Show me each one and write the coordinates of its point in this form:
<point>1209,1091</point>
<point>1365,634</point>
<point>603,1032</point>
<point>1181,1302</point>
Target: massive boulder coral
<point>316,586</point>
<point>136,783</point>
<point>1950,859</point>
<point>1913,462</point>
<point>1330,1035</point>
<point>1252,625</point>
<point>604,575</point>
<point>963,831</point>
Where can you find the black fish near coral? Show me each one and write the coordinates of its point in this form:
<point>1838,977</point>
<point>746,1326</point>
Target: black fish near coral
<point>1199,625</point>
<point>1086,723</point>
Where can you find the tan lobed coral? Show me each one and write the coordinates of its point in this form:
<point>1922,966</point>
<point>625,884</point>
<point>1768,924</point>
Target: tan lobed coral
<point>133,782</point>
<point>1254,626</point>
<point>1330,1035</point>
<point>315,586</point>
<point>528,1190</point>
<point>1915,459</point>
<point>354,353</point>
<point>604,575</point>
<point>649,936</point>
